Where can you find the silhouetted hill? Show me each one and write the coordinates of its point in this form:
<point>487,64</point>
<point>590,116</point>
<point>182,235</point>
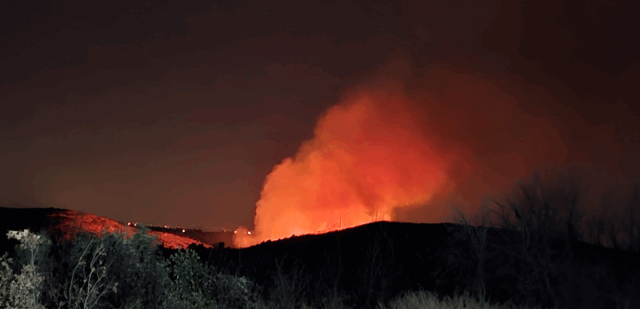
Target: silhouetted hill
<point>379,261</point>
<point>387,258</point>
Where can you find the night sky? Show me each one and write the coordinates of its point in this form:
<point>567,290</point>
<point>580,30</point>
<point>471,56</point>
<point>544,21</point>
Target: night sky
<point>175,112</point>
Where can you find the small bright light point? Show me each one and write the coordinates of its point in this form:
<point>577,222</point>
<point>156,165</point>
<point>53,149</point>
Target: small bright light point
<point>128,223</point>
<point>135,224</point>
<point>249,232</point>
<point>182,230</point>
<point>235,232</point>
<point>165,226</point>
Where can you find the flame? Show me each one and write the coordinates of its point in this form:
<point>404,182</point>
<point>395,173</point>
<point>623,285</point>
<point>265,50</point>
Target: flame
<point>368,157</point>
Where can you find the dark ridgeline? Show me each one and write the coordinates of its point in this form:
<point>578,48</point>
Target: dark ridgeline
<point>378,261</point>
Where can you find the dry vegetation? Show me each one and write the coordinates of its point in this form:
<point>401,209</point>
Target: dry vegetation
<point>115,271</point>
<point>544,247</point>
<point>527,248</point>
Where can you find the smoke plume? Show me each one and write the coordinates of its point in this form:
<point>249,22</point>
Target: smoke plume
<point>409,145</point>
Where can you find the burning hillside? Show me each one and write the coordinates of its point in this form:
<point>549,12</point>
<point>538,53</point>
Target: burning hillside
<point>71,221</point>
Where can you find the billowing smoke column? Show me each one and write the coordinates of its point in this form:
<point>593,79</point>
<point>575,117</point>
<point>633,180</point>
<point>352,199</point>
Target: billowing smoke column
<point>409,144</point>
<point>368,157</point>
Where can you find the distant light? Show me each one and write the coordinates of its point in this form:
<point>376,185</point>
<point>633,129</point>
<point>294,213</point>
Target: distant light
<point>182,230</point>
<point>135,224</point>
<point>165,226</point>
<point>235,232</point>
<point>128,223</point>
<point>249,232</point>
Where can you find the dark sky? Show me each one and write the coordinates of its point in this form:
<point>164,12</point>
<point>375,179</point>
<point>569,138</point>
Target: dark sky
<point>174,112</point>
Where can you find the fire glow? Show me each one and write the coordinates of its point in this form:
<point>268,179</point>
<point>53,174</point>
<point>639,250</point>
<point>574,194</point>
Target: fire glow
<point>368,157</point>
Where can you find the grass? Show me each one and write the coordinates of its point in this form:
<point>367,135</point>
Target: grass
<point>427,300</point>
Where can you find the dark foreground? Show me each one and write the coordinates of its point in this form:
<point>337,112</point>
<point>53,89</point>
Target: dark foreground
<point>377,262</point>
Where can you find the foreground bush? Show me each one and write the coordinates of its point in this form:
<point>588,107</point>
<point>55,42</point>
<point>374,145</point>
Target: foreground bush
<point>188,285</point>
<point>531,247</point>
<point>92,271</point>
<point>22,290</point>
<point>114,271</point>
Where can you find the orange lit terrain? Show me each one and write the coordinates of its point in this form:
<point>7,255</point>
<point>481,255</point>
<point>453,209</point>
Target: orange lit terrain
<point>68,221</point>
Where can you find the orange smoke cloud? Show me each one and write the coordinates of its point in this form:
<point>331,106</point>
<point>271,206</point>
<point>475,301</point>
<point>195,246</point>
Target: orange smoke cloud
<point>367,158</point>
<point>436,137</point>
